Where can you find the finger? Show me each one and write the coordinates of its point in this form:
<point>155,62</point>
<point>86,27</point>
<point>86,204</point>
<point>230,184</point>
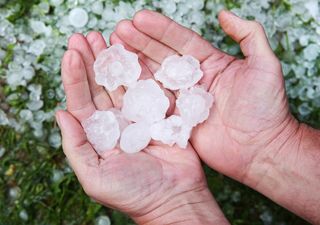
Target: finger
<point>249,34</point>
<point>97,44</point>
<point>170,33</point>
<point>99,96</point>
<point>78,151</point>
<point>142,42</point>
<point>152,65</point>
<point>76,86</point>
<point>147,72</point>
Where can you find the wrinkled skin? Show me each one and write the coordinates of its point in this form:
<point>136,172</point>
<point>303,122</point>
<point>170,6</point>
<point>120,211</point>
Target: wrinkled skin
<point>251,107</point>
<point>137,184</point>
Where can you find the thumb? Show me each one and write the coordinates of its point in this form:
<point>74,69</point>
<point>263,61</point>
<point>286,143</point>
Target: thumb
<point>79,152</point>
<point>249,34</point>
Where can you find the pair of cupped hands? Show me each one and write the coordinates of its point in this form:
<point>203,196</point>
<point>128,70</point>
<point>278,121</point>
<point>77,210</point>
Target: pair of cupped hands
<point>244,137</point>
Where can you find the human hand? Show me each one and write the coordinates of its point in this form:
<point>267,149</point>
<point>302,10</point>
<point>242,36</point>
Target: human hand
<point>250,134</point>
<point>156,186</point>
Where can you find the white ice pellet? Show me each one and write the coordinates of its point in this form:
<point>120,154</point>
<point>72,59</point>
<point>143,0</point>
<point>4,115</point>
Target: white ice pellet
<point>194,105</point>
<point>78,17</point>
<point>145,101</point>
<point>116,66</point>
<point>102,130</point>
<point>171,131</point>
<point>123,122</point>
<point>135,137</point>
<point>179,72</point>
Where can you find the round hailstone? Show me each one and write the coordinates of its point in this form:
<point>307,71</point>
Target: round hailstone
<point>171,131</point>
<point>78,17</point>
<point>102,130</point>
<point>123,122</point>
<point>116,66</point>
<point>135,137</point>
<point>194,105</point>
<point>145,101</point>
<point>179,72</point>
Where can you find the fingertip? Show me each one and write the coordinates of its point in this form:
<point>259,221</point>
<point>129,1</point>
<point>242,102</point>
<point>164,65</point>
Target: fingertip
<point>75,39</point>
<point>123,28</point>
<point>141,16</point>
<point>94,36</point>
<point>114,39</point>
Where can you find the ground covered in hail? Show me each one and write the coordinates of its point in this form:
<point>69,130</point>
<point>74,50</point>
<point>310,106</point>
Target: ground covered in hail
<point>36,184</point>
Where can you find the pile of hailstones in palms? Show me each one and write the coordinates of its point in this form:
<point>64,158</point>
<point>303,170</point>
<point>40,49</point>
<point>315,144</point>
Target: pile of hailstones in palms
<point>145,105</point>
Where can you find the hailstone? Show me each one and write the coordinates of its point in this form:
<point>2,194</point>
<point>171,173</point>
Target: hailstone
<point>194,105</point>
<point>145,101</point>
<point>116,66</point>
<point>102,130</point>
<point>78,17</point>
<point>171,131</point>
<point>135,137</point>
<point>179,72</point>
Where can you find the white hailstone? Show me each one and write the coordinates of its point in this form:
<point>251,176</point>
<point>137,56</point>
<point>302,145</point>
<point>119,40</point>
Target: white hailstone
<point>168,6</point>
<point>28,73</point>
<point>55,140</point>
<point>37,47</point>
<point>35,105</point>
<point>2,151</point>
<point>116,66</point>
<point>311,52</point>
<point>57,175</point>
<point>313,7</point>
<point>23,215</point>
<point>145,101</point>
<point>123,122</point>
<point>103,220</point>
<point>56,2</point>
<point>135,137</point>
<point>14,193</point>
<point>40,28</point>
<point>194,105</point>
<point>26,115</point>
<point>179,72</point>
<point>102,130</point>
<point>3,118</point>
<point>78,17</point>
<point>171,131</point>
<point>97,7</point>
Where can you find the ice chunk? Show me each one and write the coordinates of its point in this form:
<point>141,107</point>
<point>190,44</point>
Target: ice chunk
<point>123,122</point>
<point>171,131</point>
<point>116,66</point>
<point>102,130</point>
<point>135,137</point>
<point>78,17</point>
<point>194,105</point>
<point>179,72</point>
<point>145,101</point>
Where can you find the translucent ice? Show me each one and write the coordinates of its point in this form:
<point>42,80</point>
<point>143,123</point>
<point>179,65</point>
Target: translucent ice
<point>116,66</point>
<point>102,130</point>
<point>179,72</point>
<point>145,101</point>
<point>123,122</point>
<point>171,131</point>
<point>194,105</point>
<point>78,17</point>
<point>135,137</point>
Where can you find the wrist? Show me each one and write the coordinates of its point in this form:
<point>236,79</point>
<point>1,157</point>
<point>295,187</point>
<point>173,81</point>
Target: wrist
<point>193,207</point>
<point>288,170</point>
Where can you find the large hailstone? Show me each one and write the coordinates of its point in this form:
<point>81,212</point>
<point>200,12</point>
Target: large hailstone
<point>102,129</point>
<point>78,17</point>
<point>194,105</point>
<point>171,131</point>
<point>179,72</point>
<point>116,66</point>
<point>135,137</point>
<point>145,101</point>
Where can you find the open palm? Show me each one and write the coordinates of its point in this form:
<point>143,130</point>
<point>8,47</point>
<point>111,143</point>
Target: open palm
<point>136,184</point>
<point>250,107</point>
